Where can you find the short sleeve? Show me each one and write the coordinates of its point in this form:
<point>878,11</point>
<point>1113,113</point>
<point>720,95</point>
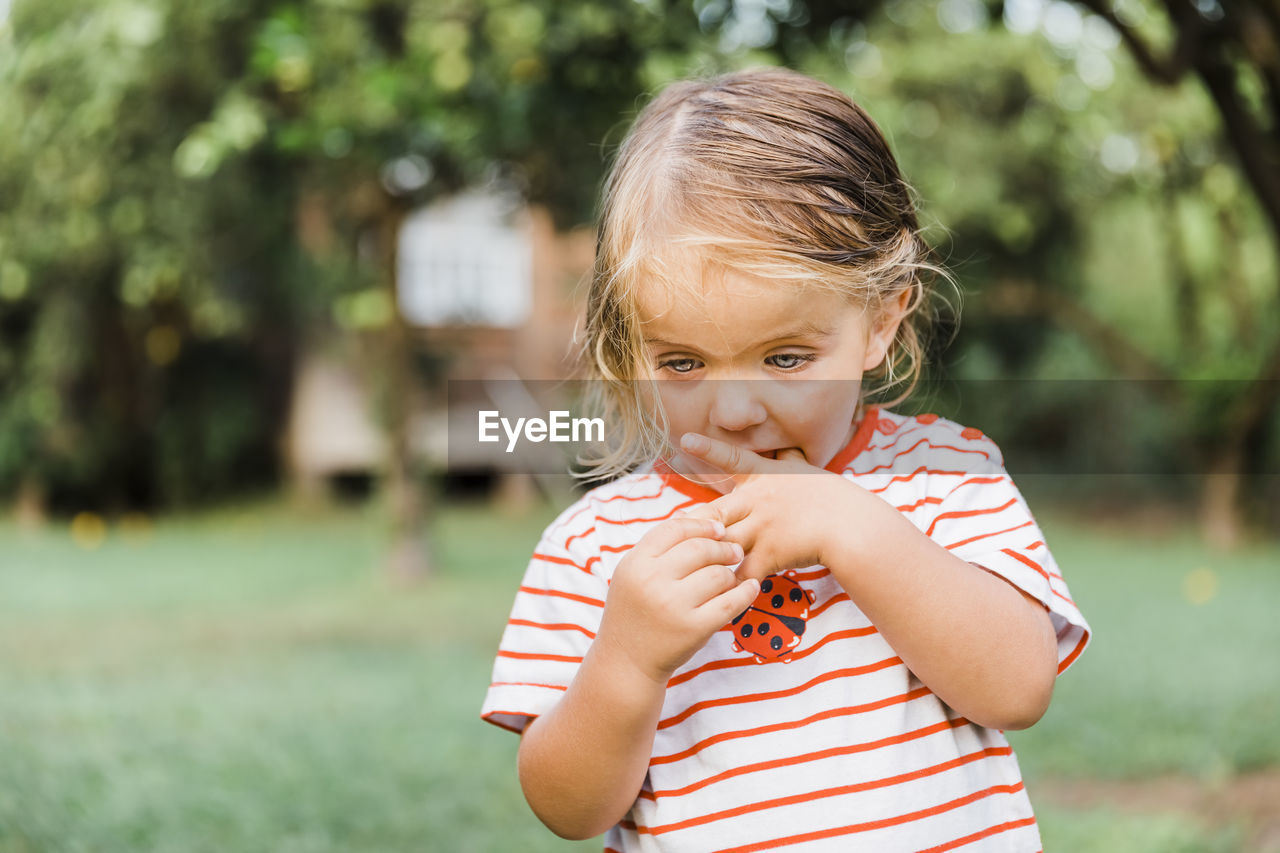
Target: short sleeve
<point>984,520</point>
<point>554,618</point>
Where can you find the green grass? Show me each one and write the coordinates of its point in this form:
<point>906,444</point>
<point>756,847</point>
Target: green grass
<point>250,681</point>
<point>1168,685</point>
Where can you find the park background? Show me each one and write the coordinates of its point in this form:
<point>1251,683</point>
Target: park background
<point>245,603</point>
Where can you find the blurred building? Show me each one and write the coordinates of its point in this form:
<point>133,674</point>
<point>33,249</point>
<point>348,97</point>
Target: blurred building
<point>490,292</point>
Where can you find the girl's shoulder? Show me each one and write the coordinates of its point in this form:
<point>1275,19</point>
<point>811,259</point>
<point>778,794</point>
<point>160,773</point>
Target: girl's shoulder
<point>635,497</point>
<point>905,442</point>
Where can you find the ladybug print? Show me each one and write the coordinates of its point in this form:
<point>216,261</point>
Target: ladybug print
<point>772,626</point>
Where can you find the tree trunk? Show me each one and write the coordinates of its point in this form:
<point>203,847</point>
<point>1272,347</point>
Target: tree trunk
<point>408,559</point>
<point>1220,518</point>
<point>30,504</point>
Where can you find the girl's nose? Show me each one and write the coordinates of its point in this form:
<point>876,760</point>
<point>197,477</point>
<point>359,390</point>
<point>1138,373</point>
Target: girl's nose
<point>737,404</point>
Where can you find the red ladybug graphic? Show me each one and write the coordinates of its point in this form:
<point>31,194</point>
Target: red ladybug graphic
<point>772,626</point>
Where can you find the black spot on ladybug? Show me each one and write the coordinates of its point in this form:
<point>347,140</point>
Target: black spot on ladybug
<point>781,608</point>
<point>738,618</point>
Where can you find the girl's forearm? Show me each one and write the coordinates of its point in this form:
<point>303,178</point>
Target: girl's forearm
<point>582,763</point>
<point>980,644</point>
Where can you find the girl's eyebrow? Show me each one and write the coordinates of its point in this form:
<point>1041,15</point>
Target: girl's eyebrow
<point>805,330</point>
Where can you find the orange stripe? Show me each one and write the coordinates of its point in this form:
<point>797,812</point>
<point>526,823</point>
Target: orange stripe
<point>878,824</point>
<point>969,513</point>
<point>591,504</point>
<point>993,533</point>
<point>923,469</point>
<point>978,836</point>
<point>489,718</point>
<point>937,424</point>
<point>1026,561</point>
<point>560,687</point>
<point>578,536</point>
<point>778,694</point>
<point>1075,653</point>
<point>861,439</point>
<point>889,464</point>
<point>809,756</point>
<point>898,436</point>
<point>969,482</point>
<point>809,797</point>
<point>831,713</point>
<point>558,594</point>
<point>918,504</point>
<point>618,549</point>
<point>552,626</point>
<point>674,510</point>
<point>751,661</point>
<point>835,599</point>
<point>563,561</point>
<point>1063,597</point>
<point>983,480</point>
<point>536,656</point>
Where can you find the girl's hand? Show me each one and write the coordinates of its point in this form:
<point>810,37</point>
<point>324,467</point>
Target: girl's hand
<point>784,512</point>
<point>670,593</point>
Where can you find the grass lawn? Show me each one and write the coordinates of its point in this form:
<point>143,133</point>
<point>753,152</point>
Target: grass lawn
<point>248,681</point>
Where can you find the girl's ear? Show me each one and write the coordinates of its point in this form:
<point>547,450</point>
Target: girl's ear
<point>881,335</point>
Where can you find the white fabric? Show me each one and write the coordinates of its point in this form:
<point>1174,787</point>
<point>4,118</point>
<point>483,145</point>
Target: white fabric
<point>842,748</point>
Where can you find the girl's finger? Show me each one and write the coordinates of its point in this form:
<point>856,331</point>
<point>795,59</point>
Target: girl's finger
<point>707,582</point>
<point>729,458</point>
<point>719,610</point>
<point>673,531</point>
<point>727,509</point>
<point>688,556</point>
<point>744,533</point>
<point>731,508</point>
<point>756,566</point>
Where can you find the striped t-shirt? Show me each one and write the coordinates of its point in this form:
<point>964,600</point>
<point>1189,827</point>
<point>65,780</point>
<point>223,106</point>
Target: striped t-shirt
<point>825,741</point>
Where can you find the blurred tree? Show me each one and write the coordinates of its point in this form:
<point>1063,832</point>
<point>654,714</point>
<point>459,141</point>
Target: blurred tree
<point>197,192</point>
<point>134,361</point>
<point>1234,50</point>
<point>1080,202</point>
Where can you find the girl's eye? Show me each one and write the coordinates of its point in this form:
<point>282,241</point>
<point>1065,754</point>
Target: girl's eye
<point>679,365</point>
<point>789,360</point>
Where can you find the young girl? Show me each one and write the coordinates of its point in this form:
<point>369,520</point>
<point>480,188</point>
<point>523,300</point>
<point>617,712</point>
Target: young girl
<point>795,620</point>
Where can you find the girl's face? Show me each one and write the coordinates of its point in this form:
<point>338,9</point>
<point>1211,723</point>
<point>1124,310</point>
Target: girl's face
<point>761,366</point>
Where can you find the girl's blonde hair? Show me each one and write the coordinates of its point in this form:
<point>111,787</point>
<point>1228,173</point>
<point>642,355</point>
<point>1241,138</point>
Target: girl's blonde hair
<point>770,173</point>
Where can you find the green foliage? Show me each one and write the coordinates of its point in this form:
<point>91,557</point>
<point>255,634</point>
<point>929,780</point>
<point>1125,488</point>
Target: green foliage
<point>195,191</point>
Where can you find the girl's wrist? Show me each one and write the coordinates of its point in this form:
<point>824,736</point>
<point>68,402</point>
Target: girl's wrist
<point>862,524</point>
<point>620,662</point>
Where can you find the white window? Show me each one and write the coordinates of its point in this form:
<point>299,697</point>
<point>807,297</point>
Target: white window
<point>465,261</point>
